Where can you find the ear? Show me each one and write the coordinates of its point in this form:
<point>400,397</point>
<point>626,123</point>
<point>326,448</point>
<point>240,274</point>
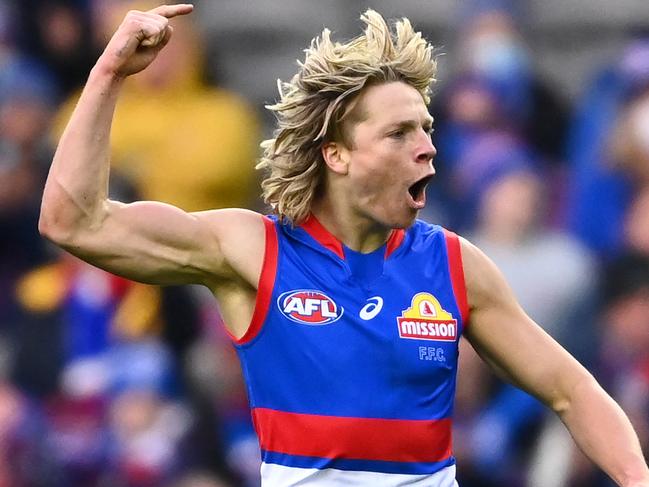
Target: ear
<point>336,156</point>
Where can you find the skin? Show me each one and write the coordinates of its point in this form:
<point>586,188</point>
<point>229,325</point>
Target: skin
<point>368,182</point>
<point>366,195</point>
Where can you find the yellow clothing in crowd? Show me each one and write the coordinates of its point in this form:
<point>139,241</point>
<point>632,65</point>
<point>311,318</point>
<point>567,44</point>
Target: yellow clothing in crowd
<point>178,140</point>
<point>195,149</point>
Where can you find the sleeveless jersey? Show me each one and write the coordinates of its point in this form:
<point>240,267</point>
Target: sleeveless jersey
<point>351,381</point>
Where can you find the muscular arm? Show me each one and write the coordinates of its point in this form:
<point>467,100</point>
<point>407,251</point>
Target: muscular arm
<point>518,349</point>
<point>145,241</point>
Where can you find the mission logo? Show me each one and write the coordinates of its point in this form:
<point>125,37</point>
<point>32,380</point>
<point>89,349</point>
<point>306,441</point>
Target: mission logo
<point>309,307</point>
<point>425,319</point>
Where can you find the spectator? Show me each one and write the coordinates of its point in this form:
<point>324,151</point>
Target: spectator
<point>57,32</point>
<point>27,95</point>
<point>494,89</point>
<point>147,423</point>
<point>606,150</point>
<point>26,104</point>
<point>215,131</point>
<point>491,48</point>
<point>23,460</point>
<point>636,224</point>
<point>623,367</point>
<point>512,228</point>
<point>508,190</point>
<point>214,374</point>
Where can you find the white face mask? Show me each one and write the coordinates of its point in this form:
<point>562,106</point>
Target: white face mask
<point>639,124</point>
<point>498,56</point>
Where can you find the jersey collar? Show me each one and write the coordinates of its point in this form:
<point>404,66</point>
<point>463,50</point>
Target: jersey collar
<point>321,235</point>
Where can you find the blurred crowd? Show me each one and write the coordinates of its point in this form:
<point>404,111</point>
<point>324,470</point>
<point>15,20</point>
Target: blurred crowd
<point>107,382</point>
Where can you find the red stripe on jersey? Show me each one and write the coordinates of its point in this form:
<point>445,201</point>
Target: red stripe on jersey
<point>391,440</point>
<point>395,239</point>
<point>456,267</point>
<point>265,285</point>
<point>314,228</point>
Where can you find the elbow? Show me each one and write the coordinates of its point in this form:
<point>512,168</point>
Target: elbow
<point>65,219</point>
<point>46,226</point>
<point>68,227</point>
<point>55,227</point>
<point>49,220</point>
<point>43,227</point>
<point>52,230</point>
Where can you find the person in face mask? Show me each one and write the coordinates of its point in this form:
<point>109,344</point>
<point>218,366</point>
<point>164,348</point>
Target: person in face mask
<point>492,48</point>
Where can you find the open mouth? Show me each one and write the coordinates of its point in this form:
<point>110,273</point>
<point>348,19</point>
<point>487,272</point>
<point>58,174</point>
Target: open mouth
<point>418,191</point>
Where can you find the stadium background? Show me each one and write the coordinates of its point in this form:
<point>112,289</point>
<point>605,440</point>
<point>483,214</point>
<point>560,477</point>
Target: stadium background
<point>542,128</point>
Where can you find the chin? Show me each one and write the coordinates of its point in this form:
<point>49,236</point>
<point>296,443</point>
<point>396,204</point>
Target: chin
<point>401,221</point>
<point>406,224</point>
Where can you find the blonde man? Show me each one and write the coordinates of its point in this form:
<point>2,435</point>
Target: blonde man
<point>345,310</point>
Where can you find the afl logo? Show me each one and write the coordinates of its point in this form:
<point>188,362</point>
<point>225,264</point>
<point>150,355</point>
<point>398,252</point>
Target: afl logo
<point>309,307</point>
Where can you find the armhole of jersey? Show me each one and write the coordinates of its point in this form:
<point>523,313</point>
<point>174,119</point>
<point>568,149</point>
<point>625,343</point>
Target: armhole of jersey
<point>456,268</point>
<point>265,285</point>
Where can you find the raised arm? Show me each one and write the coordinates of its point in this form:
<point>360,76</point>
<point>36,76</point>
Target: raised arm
<point>520,351</point>
<point>145,241</point>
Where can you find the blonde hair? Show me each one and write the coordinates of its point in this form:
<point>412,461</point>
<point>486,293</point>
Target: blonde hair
<point>318,99</point>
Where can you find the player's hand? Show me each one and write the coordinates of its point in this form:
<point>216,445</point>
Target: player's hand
<point>139,39</point>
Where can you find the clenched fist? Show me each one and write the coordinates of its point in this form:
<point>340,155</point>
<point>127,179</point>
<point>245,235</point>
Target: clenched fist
<point>139,39</point>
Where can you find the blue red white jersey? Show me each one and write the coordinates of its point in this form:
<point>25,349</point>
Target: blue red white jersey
<point>351,377</point>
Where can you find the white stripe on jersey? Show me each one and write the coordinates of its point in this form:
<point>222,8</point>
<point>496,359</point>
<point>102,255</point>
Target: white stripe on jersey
<point>273,475</point>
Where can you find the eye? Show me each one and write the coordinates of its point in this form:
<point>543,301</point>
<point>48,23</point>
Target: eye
<point>398,134</point>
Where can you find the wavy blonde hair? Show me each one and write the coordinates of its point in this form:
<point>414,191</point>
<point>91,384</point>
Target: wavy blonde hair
<point>319,98</point>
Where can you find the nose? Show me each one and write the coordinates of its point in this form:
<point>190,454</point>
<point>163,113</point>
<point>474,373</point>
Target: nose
<point>426,150</point>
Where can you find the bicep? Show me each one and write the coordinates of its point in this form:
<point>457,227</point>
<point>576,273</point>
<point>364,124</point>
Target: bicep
<point>156,243</point>
<point>510,341</point>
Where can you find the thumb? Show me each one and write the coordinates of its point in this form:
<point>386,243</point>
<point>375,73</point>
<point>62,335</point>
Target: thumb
<point>159,44</point>
<point>167,37</point>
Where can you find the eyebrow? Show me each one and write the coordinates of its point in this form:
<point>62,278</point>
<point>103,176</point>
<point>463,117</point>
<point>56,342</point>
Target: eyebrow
<point>427,123</point>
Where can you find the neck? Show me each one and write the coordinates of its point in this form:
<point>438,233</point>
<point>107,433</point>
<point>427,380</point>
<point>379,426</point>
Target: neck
<point>357,232</point>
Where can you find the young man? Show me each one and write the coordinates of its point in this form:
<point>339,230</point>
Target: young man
<point>345,310</point>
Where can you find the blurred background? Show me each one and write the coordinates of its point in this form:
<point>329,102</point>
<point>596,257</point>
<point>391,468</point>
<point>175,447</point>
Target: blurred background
<point>542,130</point>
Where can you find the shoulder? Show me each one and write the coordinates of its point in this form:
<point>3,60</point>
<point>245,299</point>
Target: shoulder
<point>423,227</point>
<point>424,233</point>
<point>241,236</point>
<point>234,218</point>
<point>235,226</point>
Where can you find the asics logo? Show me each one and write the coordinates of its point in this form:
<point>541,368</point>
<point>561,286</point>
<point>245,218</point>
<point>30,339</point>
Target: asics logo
<point>372,308</point>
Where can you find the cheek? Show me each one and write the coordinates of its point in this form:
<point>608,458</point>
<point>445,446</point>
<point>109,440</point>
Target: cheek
<point>373,168</point>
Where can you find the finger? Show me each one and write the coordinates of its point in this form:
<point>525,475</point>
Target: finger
<point>167,36</point>
<point>151,35</point>
<point>153,29</point>
<point>160,41</point>
<point>151,41</point>
<point>170,11</point>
